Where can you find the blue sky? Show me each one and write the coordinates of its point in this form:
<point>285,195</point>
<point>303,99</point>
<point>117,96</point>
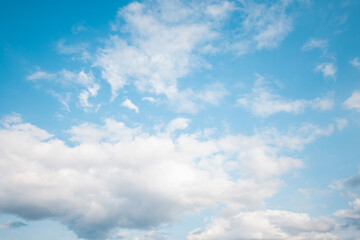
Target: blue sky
<point>196,120</point>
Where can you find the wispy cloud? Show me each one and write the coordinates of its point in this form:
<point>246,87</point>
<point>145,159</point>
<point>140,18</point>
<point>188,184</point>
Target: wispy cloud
<point>313,43</point>
<point>64,77</point>
<point>78,50</point>
<point>10,225</point>
<point>263,102</point>
<point>41,75</point>
<point>64,99</point>
<point>263,26</point>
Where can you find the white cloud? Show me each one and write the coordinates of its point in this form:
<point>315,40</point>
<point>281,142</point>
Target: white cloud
<point>351,215</point>
<point>177,124</point>
<point>112,131</point>
<point>86,94</point>
<point>327,69</point>
<point>353,102</point>
<point>72,79</point>
<point>113,174</point>
<point>168,39</point>
<point>40,75</point>
<point>315,43</point>
<point>220,10</point>
<point>262,102</point>
<point>355,62</point>
<point>128,104</point>
<point>263,26</point>
<point>150,99</point>
<point>65,77</point>
<point>341,123</point>
<point>268,224</point>
<point>190,101</point>
<point>164,37</point>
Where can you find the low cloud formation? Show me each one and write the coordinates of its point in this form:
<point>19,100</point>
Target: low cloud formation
<point>266,225</point>
<point>114,174</point>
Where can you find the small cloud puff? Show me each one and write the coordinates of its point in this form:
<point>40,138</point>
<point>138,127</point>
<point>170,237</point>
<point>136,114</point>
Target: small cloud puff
<point>355,62</point>
<point>327,69</point>
<point>128,104</point>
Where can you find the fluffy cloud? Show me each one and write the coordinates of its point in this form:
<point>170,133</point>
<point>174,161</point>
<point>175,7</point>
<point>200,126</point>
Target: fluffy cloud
<point>113,173</point>
<point>327,69</point>
<point>262,102</point>
<point>177,124</point>
<point>167,40</point>
<point>149,99</point>
<point>352,215</point>
<point>353,102</point>
<point>268,224</point>
<point>163,40</point>
<point>349,218</point>
<point>130,105</point>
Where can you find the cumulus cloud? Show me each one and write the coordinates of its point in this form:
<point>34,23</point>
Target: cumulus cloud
<point>164,37</point>
<point>351,216</point>
<point>268,224</point>
<point>327,69</point>
<point>262,102</point>
<point>130,105</point>
<point>353,102</point>
<point>114,173</point>
<point>168,39</point>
